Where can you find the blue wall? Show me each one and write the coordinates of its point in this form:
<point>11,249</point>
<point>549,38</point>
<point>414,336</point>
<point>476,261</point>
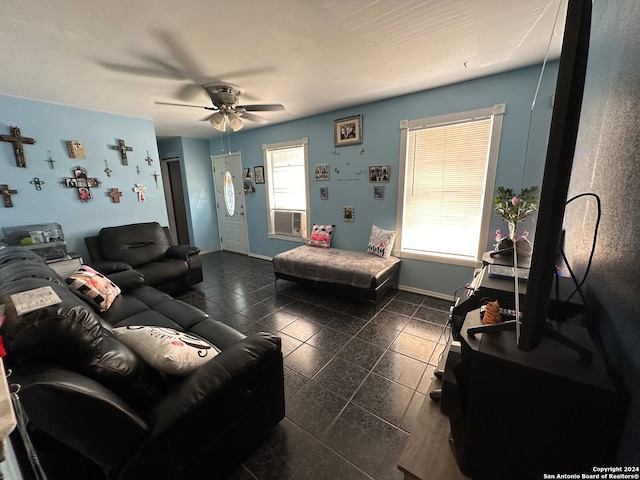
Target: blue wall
<point>522,151</point>
<point>52,126</point>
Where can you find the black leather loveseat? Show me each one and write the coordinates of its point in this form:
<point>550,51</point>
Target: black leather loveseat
<point>150,249</point>
<point>82,385</point>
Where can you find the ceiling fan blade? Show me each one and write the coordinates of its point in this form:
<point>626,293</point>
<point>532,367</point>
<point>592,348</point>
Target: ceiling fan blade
<point>188,92</point>
<point>266,107</point>
<point>143,71</point>
<point>251,117</point>
<point>185,105</point>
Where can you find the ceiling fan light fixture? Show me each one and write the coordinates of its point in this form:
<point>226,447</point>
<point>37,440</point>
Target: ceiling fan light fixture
<point>218,120</point>
<point>234,121</point>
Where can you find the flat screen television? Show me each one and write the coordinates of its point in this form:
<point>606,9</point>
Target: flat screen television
<point>565,119</point>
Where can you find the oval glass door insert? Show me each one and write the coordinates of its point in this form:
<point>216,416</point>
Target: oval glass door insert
<point>229,194</point>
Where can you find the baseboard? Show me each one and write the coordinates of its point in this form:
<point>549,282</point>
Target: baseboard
<point>261,257</point>
<point>421,291</point>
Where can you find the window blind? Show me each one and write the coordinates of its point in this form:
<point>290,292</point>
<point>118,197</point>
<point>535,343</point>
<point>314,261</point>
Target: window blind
<point>444,187</point>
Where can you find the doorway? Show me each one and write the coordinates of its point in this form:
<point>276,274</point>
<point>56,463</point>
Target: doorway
<point>229,190</point>
<point>174,199</point>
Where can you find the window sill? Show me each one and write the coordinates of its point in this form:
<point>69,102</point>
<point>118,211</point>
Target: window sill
<point>288,238</point>
<point>439,258</point>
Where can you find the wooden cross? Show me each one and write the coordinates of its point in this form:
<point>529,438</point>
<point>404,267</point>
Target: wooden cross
<point>140,190</point>
<point>155,177</point>
<point>17,139</point>
<point>149,160</point>
<point>107,170</point>
<point>82,182</point>
<point>123,151</point>
<point>115,195</point>
<point>37,183</point>
<point>6,192</point>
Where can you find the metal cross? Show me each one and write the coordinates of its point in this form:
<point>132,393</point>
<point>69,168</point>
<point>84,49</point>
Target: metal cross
<point>37,183</point>
<point>123,151</point>
<point>155,177</point>
<point>140,190</point>
<point>17,139</point>
<point>50,160</point>
<point>6,192</point>
<point>115,195</point>
<point>107,170</point>
<point>149,160</point>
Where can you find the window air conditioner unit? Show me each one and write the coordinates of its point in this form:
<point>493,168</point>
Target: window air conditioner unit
<point>287,222</point>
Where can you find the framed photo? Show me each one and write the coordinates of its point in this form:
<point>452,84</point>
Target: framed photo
<point>347,214</point>
<point>324,193</point>
<point>378,173</point>
<point>378,192</point>
<point>322,172</point>
<point>259,174</point>
<point>347,131</point>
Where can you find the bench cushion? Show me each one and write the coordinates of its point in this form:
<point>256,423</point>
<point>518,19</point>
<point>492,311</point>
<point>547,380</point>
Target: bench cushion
<point>334,265</point>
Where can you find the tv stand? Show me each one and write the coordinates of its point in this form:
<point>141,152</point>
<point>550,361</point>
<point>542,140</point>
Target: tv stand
<point>521,414</point>
<point>585,354</point>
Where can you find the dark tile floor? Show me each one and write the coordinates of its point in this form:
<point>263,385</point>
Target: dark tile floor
<point>354,376</point>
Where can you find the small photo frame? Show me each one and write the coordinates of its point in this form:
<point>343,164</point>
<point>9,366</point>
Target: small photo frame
<point>379,173</point>
<point>322,172</point>
<point>347,214</point>
<point>347,131</point>
<point>378,192</point>
<point>259,174</point>
<point>324,193</point>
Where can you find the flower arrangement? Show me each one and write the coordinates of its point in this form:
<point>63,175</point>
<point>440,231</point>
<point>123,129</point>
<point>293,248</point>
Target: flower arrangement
<point>515,208</point>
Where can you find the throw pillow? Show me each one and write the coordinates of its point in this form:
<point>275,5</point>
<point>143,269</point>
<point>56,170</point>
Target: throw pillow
<point>381,241</point>
<point>321,236</point>
<point>94,287</point>
<point>166,349</point>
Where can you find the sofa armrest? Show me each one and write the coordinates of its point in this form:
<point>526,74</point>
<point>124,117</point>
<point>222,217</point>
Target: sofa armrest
<point>209,400</point>
<point>182,252</point>
<point>80,413</point>
<point>127,280</point>
<point>108,267</point>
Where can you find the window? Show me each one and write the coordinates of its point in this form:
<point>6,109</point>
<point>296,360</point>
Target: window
<point>287,188</point>
<point>449,166</point>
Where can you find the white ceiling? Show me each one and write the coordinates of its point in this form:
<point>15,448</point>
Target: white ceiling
<point>312,56</point>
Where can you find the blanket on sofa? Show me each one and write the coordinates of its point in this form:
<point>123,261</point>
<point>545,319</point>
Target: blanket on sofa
<point>334,265</point>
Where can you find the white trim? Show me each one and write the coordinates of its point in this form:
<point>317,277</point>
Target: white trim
<point>442,296</point>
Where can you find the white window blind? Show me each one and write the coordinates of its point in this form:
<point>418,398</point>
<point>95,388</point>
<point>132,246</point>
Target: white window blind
<point>446,176</point>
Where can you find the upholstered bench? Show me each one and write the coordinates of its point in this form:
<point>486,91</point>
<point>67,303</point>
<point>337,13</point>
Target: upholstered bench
<point>357,274</point>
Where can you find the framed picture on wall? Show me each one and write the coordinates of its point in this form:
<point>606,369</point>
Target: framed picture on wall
<point>378,192</point>
<point>347,131</point>
<point>324,193</point>
<point>379,173</point>
<point>259,174</point>
<point>322,172</point>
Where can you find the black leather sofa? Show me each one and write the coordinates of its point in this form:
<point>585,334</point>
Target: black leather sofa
<point>82,386</point>
<point>150,249</point>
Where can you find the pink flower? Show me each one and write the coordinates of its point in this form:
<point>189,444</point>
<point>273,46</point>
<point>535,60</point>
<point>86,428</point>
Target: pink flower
<point>515,200</point>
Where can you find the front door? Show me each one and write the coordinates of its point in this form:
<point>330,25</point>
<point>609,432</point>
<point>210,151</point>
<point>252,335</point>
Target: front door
<point>229,187</point>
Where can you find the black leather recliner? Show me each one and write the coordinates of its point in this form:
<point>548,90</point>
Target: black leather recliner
<point>82,386</point>
<point>150,249</point>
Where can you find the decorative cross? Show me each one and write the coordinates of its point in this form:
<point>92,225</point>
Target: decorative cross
<point>6,192</point>
<point>123,150</point>
<point>155,177</point>
<point>37,183</point>
<point>149,160</point>
<point>140,190</point>
<point>50,160</point>
<point>115,195</point>
<point>107,170</point>
<point>138,169</point>
<point>82,182</point>
<point>17,139</point>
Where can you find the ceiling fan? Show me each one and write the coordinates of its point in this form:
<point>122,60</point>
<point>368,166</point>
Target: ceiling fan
<point>227,109</point>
